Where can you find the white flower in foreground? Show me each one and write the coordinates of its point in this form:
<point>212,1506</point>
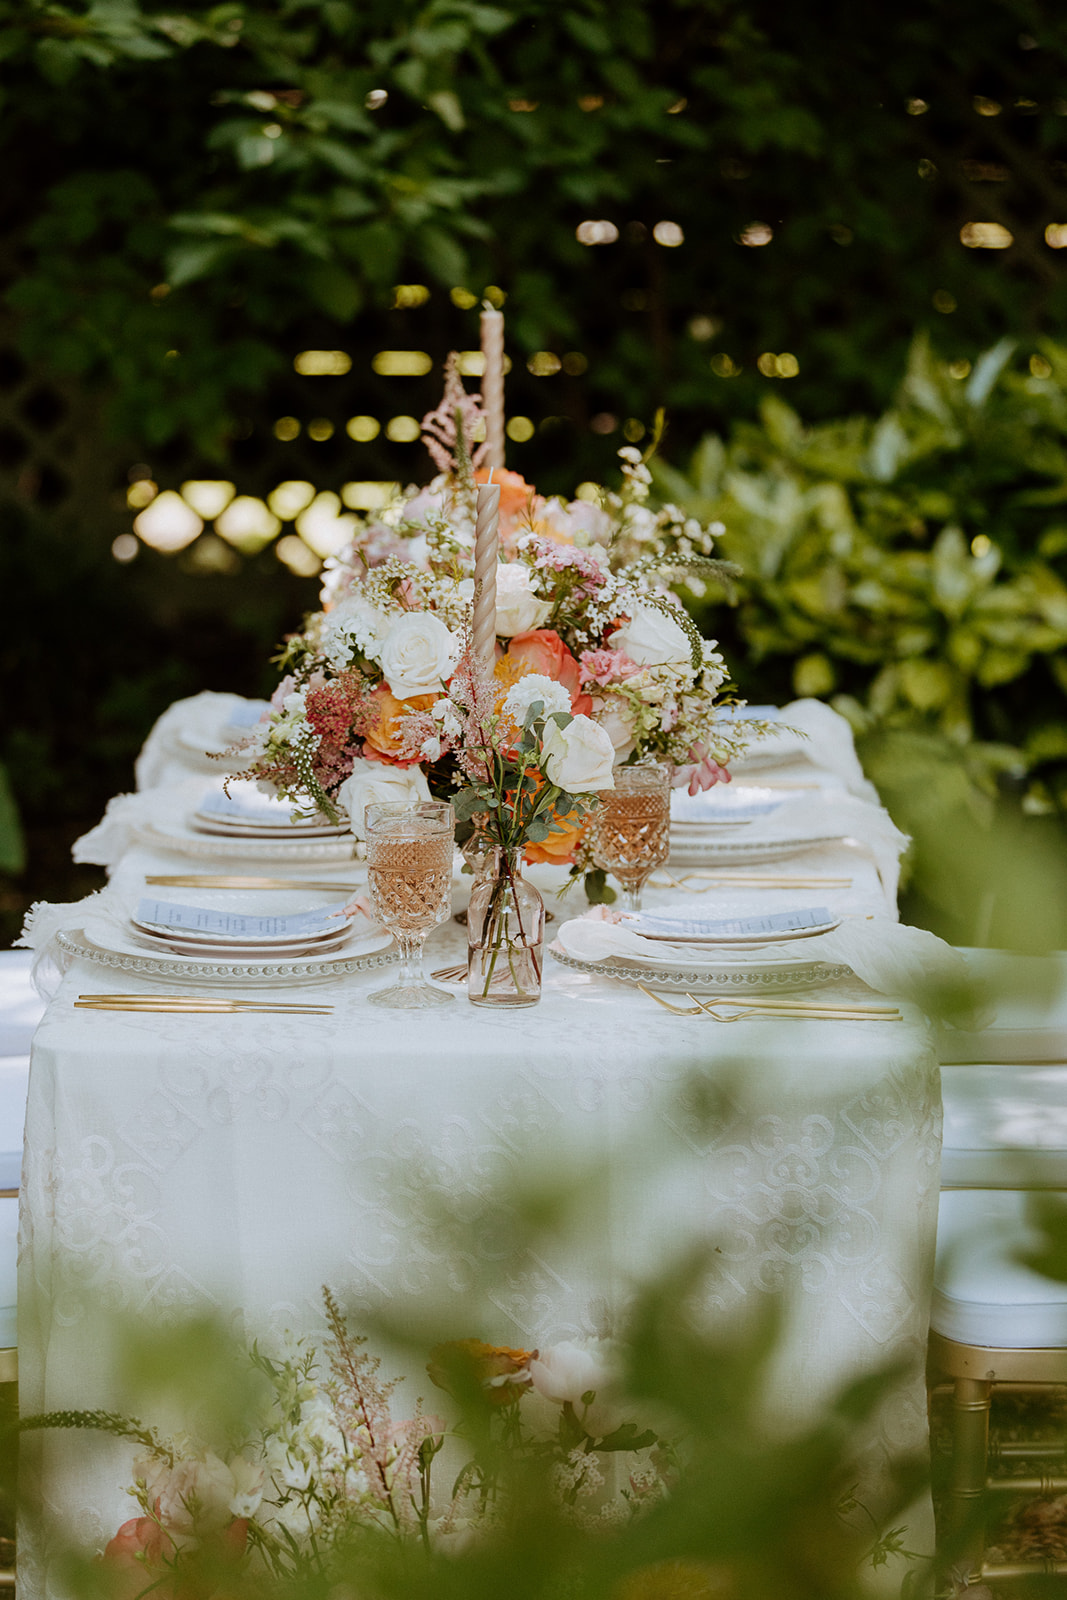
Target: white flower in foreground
<point>565,1372</point>
<point>578,757</point>
<point>653,639</point>
<point>248,1482</point>
<point>614,716</point>
<point>195,1495</point>
<point>418,654</point>
<point>373,781</point>
<point>535,686</point>
<point>518,607</point>
<point>353,625</point>
<point>447,718</point>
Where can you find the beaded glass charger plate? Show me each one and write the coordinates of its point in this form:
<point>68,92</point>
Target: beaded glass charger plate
<point>178,836</point>
<point>719,852</point>
<point>364,955</point>
<point>719,974</point>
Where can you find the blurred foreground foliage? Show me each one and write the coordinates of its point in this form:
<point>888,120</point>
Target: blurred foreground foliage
<point>757,1506</point>
<point>911,568</point>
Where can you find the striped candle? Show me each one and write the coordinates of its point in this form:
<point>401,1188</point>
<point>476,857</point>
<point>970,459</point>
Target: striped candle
<point>486,544</point>
<point>493,384</point>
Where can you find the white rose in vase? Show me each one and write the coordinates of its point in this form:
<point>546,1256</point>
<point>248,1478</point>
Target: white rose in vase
<point>579,757</point>
<point>418,654</point>
<point>653,639</point>
<point>375,781</point>
<point>518,607</point>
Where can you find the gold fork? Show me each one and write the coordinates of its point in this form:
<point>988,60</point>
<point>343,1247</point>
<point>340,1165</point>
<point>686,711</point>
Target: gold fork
<point>774,1008</point>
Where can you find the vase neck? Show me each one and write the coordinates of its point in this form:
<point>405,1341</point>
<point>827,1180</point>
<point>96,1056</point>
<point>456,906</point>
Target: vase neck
<point>508,862</point>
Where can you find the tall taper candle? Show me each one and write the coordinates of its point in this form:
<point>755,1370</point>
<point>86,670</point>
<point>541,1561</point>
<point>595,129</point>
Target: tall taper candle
<point>486,542</point>
<point>493,383</point>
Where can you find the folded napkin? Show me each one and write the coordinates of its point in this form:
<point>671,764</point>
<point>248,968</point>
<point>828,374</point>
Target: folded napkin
<point>45,920</point>
<point>820,814</point>
<point>904,963</point>
<point>128,814</point>
<point>825,741</point>
<point>190,732</point>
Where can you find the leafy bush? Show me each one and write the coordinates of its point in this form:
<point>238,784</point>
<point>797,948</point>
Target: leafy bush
<point>909,567</point>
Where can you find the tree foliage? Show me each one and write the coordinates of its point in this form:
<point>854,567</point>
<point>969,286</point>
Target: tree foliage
<point>203,179</point>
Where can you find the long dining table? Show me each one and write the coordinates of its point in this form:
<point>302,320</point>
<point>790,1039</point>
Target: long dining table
<point>237,1163</point>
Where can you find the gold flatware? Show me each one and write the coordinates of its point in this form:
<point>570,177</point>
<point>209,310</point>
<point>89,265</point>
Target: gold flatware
<point>767,1007</point>
<point>208,881</point>
<point>450,974</point>
<point>129,1010</point>
<point>746,880</point>
<point>202,1003</point>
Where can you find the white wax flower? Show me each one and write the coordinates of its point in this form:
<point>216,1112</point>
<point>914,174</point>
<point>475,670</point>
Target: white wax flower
<point>578,757</point>
<point>652,639</point>
<point>353,625</point>
<point>518,607</point>
<point>418,654</point>
<point>535,686</point>
<point>373,781</point>
<point>447,718</point>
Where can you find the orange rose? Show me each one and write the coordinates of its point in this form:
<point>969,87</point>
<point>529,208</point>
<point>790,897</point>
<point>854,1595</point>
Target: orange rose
<point>384,734</point>
<point>542,650</point>
<point>561,843</point>
<point>502,1373</point>
<point>516,495</point>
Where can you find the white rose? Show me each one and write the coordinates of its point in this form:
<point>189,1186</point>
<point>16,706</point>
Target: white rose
<point>566,1371</point>
<point>578,757</point>
<point>535,686</point>
<point>653,639</point>
<point>419,652</point>
<point>615,719</point>
<point>518,607</point>
<point>373,781</point>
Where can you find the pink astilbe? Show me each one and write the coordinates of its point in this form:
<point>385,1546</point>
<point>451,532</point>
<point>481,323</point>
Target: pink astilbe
<point>606,666</point>
<point>439,433</point>
<point>474,691</point>
<point>361,1403</point>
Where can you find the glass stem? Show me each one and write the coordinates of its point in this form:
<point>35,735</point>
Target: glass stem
<point>410,945</point>
<point>632,891</point>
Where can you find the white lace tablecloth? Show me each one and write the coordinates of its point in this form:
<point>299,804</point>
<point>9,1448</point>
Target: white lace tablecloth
<point>240,1162</point>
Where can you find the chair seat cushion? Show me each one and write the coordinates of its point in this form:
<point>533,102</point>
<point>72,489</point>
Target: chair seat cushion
<point>9,1250</point>
<point>1005,1126</point>
<point>21,1007</point>
<point>1028,995</point>
<point>983,1294</point>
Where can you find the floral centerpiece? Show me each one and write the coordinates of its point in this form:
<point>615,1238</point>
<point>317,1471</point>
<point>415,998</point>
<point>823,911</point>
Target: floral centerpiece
<point>597,661</point>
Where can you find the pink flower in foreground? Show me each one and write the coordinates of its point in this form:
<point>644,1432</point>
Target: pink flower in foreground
<point>704,773</point>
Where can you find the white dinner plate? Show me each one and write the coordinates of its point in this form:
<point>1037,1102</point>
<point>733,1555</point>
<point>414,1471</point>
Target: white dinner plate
<point>216,822</point>
<point>727,939</point>
<point>363,955</point>
<point>745,975</point>
<point>714,851</point>
<point>337,929</point>
<point>177,836</point>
